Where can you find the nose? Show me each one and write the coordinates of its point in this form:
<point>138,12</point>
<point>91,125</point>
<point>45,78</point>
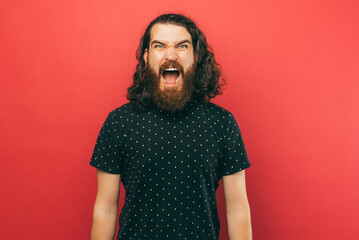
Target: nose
<point>171,54</point>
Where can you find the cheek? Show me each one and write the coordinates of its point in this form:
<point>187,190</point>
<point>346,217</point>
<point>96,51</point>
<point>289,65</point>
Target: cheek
<point>188,62</point>
<point>153,65</point>
<point>155,57</point>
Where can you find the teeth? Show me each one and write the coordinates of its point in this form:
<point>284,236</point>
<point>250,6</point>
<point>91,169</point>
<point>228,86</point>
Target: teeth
<point>171,69</point>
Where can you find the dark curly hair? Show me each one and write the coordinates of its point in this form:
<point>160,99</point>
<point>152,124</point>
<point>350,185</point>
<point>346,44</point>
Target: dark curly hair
<point>208,71</point>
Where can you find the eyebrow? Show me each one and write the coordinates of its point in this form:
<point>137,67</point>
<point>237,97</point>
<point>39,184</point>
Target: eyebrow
<point>181,42</point>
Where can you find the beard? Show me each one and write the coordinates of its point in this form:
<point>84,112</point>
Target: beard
<point>172,99</point>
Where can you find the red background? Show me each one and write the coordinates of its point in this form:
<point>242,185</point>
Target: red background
<point>292,71</point>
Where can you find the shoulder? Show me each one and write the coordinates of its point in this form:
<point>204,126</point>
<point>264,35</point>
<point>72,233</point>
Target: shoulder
<point>119,114</point>
<point>124,110</point>
<point>221,117</point>
<point>217,111</point>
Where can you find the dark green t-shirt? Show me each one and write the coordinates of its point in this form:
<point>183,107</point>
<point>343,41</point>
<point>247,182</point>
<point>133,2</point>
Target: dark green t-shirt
<point>170,166</point>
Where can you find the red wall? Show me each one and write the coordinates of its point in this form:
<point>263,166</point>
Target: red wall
<point>292,71</point>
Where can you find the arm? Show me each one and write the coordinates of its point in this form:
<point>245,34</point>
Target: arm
<point>106,206</point>
<point>237,206</point>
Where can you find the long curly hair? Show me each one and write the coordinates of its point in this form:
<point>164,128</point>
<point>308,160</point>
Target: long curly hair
<point>208,71</point>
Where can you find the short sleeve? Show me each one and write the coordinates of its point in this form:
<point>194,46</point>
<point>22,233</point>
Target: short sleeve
<point>235,156</point>
<point>106,154</point>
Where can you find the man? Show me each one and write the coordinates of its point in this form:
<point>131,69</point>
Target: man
<point>170,146</point>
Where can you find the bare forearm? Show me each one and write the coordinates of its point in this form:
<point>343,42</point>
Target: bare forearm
<point>239,225</point>
<point>104,224</point>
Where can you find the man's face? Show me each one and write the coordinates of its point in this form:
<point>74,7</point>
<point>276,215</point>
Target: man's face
<point>170,65</point>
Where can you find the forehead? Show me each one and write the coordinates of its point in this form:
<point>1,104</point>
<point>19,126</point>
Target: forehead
<point>169,33</point>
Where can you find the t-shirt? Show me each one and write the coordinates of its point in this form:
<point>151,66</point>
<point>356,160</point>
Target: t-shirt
<point>170,166</point>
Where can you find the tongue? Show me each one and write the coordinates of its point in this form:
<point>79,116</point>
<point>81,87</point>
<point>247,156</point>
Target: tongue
<point>170,77</point>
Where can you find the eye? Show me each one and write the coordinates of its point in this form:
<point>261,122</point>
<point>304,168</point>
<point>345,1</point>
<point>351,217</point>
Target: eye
<point>158,46</point>
<point>183,46</point>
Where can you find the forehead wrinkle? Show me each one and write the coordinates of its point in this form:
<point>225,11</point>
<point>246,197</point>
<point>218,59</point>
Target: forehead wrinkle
<point>175,43</point>
<point>166,33</point>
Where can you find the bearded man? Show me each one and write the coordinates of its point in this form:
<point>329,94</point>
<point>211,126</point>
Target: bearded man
<point>170,146</point>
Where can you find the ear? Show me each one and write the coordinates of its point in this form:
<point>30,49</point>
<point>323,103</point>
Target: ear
<point>145,55</point>
<point>196,56</point>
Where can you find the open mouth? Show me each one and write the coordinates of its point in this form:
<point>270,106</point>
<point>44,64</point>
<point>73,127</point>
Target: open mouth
<point>171,76</point>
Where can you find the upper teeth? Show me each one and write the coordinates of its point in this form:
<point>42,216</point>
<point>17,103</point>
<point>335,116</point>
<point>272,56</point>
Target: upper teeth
<point>171,69</point>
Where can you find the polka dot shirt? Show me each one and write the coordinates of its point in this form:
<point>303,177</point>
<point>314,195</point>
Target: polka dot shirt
<point>170,167</point>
